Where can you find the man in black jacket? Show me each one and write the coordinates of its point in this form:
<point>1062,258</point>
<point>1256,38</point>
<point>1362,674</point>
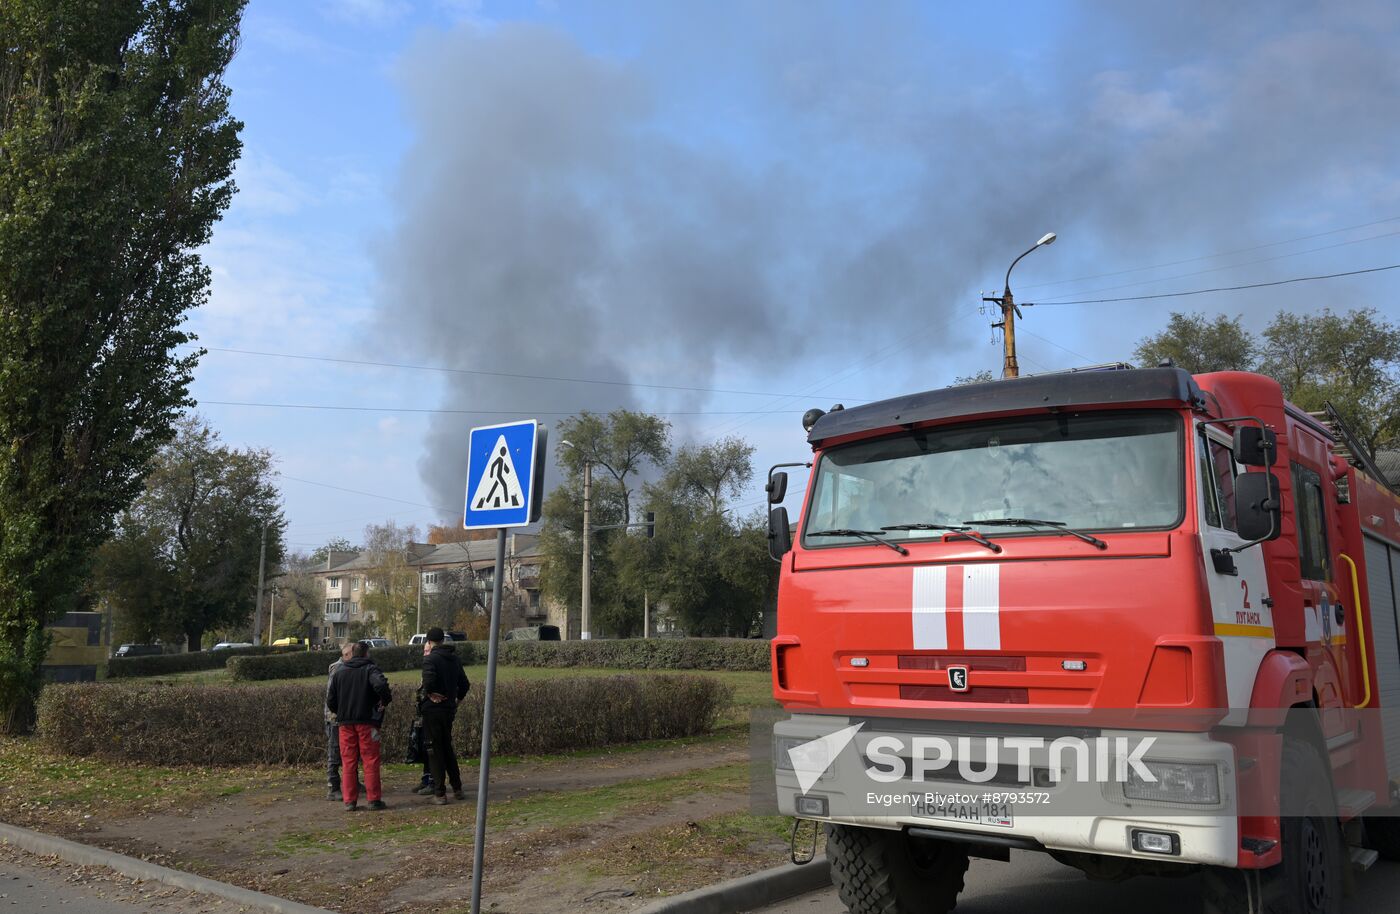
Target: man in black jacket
<point>357,695</point>
<point>444,684</point>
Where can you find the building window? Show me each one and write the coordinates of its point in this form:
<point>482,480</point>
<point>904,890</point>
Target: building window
<point>335,606</point>
<point>430,577</point>
<point>355,583</point>
<point>333,583</point>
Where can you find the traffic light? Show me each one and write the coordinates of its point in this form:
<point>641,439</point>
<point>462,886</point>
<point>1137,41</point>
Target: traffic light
<point>651,524</point>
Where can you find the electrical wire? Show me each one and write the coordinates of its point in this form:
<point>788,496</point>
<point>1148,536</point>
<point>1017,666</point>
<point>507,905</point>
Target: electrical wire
<point>1177,263</point>
<point>496,374</point>
<point>474,412</point>
<point>1253,285</point>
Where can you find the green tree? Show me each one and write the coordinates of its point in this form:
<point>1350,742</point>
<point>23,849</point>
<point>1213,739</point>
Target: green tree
<point>1348,359</point>
<point>620,444</point>
<point>184,559</point>
<point>319,555</point>
<point>715,471</point>
<point>116,155</point>
<point>1200,344</point>
<point>711,570</point>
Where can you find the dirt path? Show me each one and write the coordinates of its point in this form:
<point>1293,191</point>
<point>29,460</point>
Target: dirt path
<point>288,840</point>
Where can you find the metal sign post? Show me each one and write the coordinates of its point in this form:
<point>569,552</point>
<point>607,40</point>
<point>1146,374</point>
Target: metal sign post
<point>505,475</point>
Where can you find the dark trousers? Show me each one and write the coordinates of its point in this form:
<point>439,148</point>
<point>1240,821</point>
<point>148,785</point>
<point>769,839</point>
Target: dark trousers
<point>333,756</point>
<point>442,758</point>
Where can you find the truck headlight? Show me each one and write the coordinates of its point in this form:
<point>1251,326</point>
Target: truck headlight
<point>1177,782</point>
<point>816,755</point>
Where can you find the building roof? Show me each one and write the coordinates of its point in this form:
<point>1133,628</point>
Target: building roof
<point>472,552</point>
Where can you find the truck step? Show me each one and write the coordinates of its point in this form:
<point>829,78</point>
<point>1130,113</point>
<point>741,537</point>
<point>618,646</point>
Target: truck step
<point>1352,803</point>
<point>1363,859</point>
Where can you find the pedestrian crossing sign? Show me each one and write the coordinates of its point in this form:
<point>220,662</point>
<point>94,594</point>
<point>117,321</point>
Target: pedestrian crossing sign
<point>505,473</point>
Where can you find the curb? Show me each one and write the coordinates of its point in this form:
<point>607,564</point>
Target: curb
<point>85,855</point>
<point>748,892</point>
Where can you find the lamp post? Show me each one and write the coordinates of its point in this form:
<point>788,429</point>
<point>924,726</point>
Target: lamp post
<point>584,632</point>
<point>1009,312</point>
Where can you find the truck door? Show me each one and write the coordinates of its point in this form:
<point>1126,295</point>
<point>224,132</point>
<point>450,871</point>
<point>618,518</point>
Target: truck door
<point>1244,621</point>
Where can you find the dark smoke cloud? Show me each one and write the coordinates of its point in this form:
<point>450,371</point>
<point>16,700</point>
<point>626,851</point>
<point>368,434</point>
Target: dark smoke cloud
<point>872,176</point>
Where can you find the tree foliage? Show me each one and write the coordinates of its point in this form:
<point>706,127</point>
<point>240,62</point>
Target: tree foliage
<point>620,444</point>
<point>1349,359</point>
<point>116,151</point>
<point>708,569</point>
<point>391,584</point>
<point>1200,344</point>
<point>184,558</point>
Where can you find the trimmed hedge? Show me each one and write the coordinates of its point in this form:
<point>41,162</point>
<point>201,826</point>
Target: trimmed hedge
<point>315,663</point>
<point>163,724</point>
<point>166,664</point>
<point>641,654</point>
<point>624,654</point>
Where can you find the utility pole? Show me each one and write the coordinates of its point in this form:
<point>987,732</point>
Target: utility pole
<point>418,626</point>
<point>272,615</point>
<point>262,566</point>
<point>646,614</point>
<point>1010,368</point>
<point>584,632</point>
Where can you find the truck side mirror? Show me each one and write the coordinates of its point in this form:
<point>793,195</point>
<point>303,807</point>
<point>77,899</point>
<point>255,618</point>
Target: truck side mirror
<point>1255,446</point>
<point>779,534</point>
<point>1258,506</point>
<point>776,488</point>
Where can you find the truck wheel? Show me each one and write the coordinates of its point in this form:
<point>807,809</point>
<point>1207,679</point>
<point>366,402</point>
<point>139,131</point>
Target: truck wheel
<point>1383,835</point>
<point>888,872</point>
<point>1309,880</point>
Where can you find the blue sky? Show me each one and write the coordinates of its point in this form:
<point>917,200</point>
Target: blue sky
<point>779,198</point>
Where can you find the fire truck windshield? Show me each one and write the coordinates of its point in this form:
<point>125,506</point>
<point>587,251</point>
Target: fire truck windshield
<point>1089,471</point>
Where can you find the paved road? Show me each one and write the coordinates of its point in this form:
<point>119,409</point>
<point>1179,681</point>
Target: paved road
<point>1034,882</point>
<point>38,885</point>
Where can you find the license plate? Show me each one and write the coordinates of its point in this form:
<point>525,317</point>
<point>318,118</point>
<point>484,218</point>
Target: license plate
<point>977,812</point>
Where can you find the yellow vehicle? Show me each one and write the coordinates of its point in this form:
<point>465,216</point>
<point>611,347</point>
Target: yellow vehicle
<point>290,642</point>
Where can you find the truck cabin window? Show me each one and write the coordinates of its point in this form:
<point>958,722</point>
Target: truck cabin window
<point>1090,471</point>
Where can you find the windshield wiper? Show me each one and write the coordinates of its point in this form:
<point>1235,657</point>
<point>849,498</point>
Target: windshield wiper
<point>871,535</point>
<point>961,531</point>
<point>1056,525</point>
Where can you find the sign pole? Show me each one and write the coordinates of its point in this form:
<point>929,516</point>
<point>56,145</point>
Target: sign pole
<point>479,841</point>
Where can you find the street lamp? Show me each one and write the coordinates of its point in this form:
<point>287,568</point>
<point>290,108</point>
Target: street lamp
<point>587,546</point>
<point>1009,312</point>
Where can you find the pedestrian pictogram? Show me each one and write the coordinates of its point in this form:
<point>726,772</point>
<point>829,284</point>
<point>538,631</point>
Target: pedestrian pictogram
<point>503,478</point>
<point>504,490</point>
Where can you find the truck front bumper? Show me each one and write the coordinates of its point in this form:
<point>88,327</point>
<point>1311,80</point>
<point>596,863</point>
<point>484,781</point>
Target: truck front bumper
<point>1050,805</point>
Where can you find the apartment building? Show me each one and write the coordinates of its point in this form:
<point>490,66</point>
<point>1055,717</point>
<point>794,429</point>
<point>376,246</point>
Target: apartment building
<point>349,576</point>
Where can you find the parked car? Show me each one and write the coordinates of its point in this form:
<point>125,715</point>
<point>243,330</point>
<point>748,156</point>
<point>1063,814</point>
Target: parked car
<point>534,633</point>
<point>139,650</point>
<point>456,636</point>
<point>379,642</point>
<point>229,645</point>
<point>418,639</point>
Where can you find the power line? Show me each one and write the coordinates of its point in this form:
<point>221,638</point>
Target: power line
<point>1253,285</point>
<point>1235,266</point>
<point>1078,355</point>
<point>1258,247</point>
<point>475,412</point>
<point>496,374</point>
<point>326,485</point>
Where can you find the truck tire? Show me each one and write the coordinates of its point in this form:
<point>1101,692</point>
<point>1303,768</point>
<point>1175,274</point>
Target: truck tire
<point>1309,880</point>
<point>887,872</point>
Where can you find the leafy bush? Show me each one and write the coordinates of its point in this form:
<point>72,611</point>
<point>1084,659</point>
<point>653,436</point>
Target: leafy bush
<point>641,654</point>
<point>166,664</point>
<point>315,663</point>
<point>166,724</point>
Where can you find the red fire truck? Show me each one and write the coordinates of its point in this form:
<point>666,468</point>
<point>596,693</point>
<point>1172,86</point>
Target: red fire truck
<point>1124,551</point>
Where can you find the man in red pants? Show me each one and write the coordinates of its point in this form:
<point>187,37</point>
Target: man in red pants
<point>357,695</point>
